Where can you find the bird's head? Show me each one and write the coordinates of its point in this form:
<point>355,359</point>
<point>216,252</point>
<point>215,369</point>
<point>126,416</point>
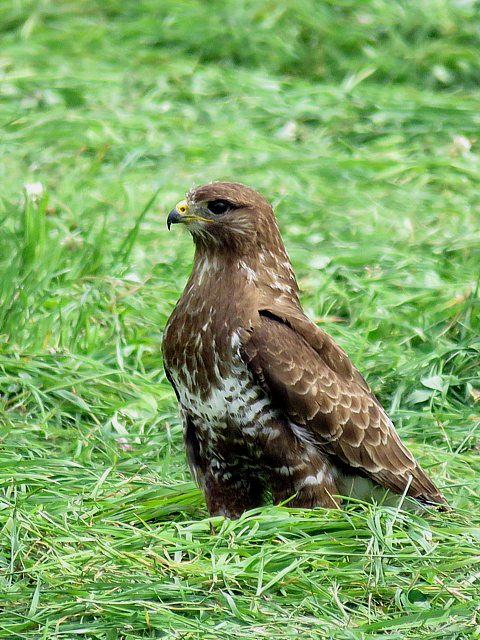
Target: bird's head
<point>233,222</point>
<point>224,215</point>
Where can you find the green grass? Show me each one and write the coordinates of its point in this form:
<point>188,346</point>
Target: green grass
<point>348,116</point>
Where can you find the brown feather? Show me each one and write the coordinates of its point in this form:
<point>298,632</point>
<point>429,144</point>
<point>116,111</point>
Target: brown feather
<point>268,399</point>
<point>352,436</point>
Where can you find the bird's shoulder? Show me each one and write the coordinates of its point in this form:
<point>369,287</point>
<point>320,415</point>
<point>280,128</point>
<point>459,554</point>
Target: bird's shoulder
<point>284,330</point>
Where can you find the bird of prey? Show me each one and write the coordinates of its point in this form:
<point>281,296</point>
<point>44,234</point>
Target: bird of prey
<point>271,405</point>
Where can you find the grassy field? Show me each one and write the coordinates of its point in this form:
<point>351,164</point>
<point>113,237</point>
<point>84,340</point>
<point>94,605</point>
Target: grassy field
<point>360,121</point>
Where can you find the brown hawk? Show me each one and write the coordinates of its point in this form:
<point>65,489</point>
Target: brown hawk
<point>270,403</point>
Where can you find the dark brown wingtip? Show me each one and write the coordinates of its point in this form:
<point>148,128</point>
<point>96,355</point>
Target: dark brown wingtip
<point>438,502</point>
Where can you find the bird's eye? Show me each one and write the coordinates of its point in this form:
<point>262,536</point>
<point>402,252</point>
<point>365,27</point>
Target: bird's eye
<point>218,206</point>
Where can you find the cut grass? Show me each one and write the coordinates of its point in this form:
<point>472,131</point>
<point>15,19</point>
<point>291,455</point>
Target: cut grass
<point>360,121</point>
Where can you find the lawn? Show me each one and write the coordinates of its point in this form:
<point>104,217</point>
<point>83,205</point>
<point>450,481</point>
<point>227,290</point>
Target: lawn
<point>360,121</point>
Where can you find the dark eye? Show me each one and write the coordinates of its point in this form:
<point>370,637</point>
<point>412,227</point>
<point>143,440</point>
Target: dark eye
<point>218,206</point>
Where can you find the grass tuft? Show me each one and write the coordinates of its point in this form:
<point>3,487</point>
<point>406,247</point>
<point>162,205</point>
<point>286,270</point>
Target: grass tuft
<point>360,122</point>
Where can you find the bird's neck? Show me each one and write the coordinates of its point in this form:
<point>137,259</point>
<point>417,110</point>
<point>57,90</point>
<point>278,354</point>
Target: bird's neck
<point>265,273</point>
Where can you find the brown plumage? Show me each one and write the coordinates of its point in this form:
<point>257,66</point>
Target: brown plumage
<point>270,403</point>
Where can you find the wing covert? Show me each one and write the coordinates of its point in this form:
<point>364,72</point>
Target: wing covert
<point>318,388</point>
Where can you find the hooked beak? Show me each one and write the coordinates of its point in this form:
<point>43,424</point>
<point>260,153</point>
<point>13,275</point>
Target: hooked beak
<point>177,214</point>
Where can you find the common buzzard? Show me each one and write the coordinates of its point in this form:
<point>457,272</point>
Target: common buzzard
<point>270,403</point>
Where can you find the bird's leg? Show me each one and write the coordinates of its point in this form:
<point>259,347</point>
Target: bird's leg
<point>299,469</point>
<point>230,490</point>
<point>308,485</point>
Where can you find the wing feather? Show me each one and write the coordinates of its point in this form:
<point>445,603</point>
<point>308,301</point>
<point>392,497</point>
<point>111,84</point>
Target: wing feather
<point>315,384</point>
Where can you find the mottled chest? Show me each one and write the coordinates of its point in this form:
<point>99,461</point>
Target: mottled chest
<point>233,407</point>
<point>202,352</point>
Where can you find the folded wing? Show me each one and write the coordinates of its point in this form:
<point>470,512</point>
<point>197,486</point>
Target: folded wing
<point>314,383</point>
